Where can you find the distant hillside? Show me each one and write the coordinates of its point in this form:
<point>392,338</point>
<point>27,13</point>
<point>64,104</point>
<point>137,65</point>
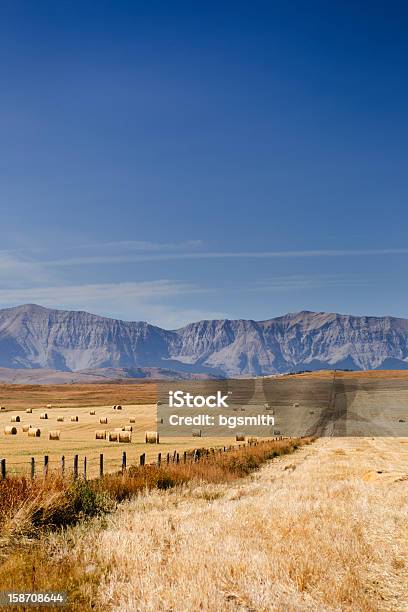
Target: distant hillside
<point>35,337</point>
<point>44,376</point>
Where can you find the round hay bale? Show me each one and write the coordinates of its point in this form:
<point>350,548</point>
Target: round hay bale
<point>2,407</point>
<point>196,433</point>
<point>296,404</point>
<point>43,415</point>
<point>29,410</point>
<point>92,412</point>
<point>113,436</point>
<point>151,437</point>
<point>60,419</point>
<point>252,439</point>
<point>132,420</point>
<point>26,428</point>
<point>49,406</point>
<point>119,429</point>
<point>125,436</point>
<point>267,406</point>
<point>10,430</point>
<point>119,407</point>
<point>55,435</point>
<point>100,434</point>
<point>114,407</point>
<point>239,437</point>
<point>128,428</point>
<point>15,419</point>
<point>103,420</point>
<point>34,432</point>
<point>74,419</point>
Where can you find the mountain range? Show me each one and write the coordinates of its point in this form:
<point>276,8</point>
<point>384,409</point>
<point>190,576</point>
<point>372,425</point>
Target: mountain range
<point>34,337</point>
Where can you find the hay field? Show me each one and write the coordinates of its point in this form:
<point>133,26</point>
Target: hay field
<point>20,397</point>
<point>320,403</point>
<point>79,438</point>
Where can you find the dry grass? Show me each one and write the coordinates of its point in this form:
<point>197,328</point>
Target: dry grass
<point>316,536</point>
<point>28,505</point>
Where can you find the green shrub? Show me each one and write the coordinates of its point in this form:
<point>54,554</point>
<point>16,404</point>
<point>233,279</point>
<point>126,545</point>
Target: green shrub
<point>85,501</point>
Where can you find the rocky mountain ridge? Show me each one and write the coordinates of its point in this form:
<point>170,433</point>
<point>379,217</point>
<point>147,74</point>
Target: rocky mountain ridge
<point>35,337</point>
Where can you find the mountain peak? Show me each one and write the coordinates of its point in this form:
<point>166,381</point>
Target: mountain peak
<point>74,340</point>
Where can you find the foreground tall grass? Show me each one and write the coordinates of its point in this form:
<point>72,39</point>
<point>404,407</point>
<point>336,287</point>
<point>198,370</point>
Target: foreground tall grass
<point>27,506</point>
<point>321,529</point>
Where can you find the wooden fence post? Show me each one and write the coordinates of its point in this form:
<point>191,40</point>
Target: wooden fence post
<point>168,458</point>
<point>177,458</point>
<point>142,459</point>
<point>45,466</point>
<point>3,469</point>
<point>185,456</point>
<point>174,456</point>
<point>75,466</point>
<point>63,466</point>
<point>123,461</point>
<point>85,462</point>
<point>159,459</point>
<point>32,467</point>
<point>101,465</point>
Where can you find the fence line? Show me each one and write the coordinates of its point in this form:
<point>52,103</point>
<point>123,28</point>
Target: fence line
<point>195,455</point>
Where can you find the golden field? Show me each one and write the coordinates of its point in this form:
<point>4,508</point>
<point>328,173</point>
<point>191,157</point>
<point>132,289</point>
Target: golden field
<point>20,397</point>
<point>322,403</point>
<point>137,402</point>
<point>321,529</point>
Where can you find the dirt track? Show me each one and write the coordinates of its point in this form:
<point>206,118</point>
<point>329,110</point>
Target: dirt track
<point>341,405</point>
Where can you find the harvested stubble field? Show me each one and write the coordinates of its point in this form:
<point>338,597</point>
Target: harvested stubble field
<point>20,397</point>
<point>322,403</point>
<point>137,400</point>
<point>79,438</point>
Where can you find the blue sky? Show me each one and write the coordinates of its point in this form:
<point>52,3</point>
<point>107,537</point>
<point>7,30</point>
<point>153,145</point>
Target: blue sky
<point>177,161</point>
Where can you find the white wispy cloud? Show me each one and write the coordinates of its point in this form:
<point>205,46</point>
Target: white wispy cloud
<point>123,252</point>
<point>35,276</point>
<point>143,245</point>
<point>298,283</point>
<point>73,294</point>
<point>105,259</point>
<point>150,301</point>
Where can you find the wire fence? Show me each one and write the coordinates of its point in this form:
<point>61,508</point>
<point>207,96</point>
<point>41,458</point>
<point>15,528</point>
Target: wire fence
<point>80,466</point>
